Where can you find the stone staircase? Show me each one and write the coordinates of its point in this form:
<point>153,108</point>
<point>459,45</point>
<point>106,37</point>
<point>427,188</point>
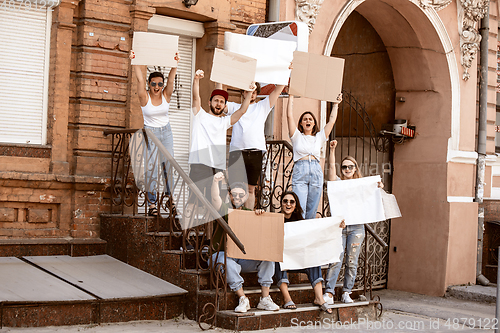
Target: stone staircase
<point>142,242</point>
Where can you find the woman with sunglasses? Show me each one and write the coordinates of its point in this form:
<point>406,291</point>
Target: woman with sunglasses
<point>352,235</point>
<point>155,104</point>
<point>307,139</point>
<point>290,207</point>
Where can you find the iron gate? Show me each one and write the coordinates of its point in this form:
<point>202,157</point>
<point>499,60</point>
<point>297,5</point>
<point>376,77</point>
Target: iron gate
<point>356,136</point>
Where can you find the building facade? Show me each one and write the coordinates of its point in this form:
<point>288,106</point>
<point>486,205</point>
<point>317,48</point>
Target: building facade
<point>405,59</point>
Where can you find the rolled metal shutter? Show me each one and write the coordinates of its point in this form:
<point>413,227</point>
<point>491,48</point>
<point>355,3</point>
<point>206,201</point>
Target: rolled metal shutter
<point>24,60</point>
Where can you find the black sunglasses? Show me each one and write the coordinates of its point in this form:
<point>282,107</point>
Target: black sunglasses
<point>153,84</point>
<point>286,201</point>
<point>240,195</point>
<point>350,167</point>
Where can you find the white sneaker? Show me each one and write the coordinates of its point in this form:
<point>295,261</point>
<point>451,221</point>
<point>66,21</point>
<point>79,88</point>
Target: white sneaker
<point>243,306</point>
<point>346,298</point>
<point>267,303</point>
<point>328,299</point>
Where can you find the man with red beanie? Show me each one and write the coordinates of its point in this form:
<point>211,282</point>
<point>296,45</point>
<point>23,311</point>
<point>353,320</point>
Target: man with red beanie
<point>207,154</point>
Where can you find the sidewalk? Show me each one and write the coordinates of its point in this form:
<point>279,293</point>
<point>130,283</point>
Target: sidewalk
<point>403,312</point>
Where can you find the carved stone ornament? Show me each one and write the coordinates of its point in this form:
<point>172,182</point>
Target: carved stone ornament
<point>436,4</point>
<point>469,14</point>
<point>307,10</point>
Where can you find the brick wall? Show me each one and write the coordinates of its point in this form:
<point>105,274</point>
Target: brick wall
<point>62,192</point>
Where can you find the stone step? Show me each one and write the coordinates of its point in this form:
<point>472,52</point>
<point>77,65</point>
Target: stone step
<point>477,293</point>
<point>300,293</point>
<point>306,315</point>
<point>52,246</point>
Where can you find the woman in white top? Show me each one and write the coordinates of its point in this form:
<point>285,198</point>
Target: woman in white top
<point>307,177</point>
<point>155,104</point>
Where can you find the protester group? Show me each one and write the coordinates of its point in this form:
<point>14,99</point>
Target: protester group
<point>209,166</point>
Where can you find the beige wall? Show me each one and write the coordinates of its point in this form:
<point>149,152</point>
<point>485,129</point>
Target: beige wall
<point>427,241</point>
<point>461,179</point>
<point>462,245</point>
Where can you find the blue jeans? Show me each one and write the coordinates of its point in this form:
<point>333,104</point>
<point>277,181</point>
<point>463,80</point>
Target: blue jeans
<point>307,183</point>
<point>234,267</point>
<point>164,134</point>
<point>352,236</point>
<point>313,274</point>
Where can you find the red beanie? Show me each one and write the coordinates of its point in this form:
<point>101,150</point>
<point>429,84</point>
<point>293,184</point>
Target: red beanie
<point>220,92</point>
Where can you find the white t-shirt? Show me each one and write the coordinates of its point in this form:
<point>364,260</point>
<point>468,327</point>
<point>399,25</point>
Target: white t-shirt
<point>248,132</point>
<point>156,116</point>
<point>208,140</point>
<point>305,145</point>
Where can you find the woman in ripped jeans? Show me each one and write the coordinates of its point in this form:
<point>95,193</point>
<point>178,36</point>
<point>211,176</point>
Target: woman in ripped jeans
<point>352,235</point>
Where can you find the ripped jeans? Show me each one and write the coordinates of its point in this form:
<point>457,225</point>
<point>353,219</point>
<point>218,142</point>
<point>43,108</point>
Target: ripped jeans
<point>352,236</point>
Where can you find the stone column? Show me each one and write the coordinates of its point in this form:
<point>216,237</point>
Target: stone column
<point>60,59</point>
<point>140,15</point>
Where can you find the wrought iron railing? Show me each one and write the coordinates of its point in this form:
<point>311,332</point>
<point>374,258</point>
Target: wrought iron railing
<point>277,174</point>
<point>141,164</point>
<point>356,135</point>
<point>130,196</point>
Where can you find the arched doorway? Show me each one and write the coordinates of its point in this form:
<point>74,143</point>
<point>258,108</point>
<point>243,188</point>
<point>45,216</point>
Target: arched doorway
<point>400,65</point>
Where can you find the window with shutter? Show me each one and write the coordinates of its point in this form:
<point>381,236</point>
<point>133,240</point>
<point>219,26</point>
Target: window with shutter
<point>24,62</point>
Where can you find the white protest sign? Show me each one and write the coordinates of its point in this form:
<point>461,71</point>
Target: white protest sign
<point>273,56</point>
<point>359,200</point>
<point>155,49</point>
<point>310,243</point>
<point>391,208</point>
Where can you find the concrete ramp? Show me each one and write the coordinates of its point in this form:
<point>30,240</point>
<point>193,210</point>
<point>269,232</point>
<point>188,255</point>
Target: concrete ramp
<point>21,282</point>
<point>106,277</point>
<point>64,290</point>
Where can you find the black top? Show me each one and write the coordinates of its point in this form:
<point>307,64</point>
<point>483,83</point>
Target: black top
<point>294,217</point>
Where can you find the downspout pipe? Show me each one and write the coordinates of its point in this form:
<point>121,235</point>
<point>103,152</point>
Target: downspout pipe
<point>274,11</point>
<point>481,141</point>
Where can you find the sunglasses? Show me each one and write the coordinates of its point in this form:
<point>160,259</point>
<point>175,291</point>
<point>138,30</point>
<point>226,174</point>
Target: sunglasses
<point>350,167</point>
<point>291,201</point>
<point>153,84</point>
<point>238,195</point>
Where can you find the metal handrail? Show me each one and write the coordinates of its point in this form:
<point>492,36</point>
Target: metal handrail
<point>195,190</point>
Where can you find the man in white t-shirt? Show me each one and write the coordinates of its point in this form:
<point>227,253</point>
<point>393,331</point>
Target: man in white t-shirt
<point>248,142</point>
<point>207,154</point>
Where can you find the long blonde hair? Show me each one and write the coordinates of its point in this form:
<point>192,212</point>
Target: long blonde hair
<point>357,173</point>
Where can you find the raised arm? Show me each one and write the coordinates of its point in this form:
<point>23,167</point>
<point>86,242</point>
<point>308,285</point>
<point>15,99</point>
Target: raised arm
<point>273,96</point>
<point>196,91</point>
<point>244,106</point>
<point>141,83</point>
<point>216,199</point>
<point>169,88</point>
<point>292,126</point>
<point>333,115</point>
<point>332,175</point>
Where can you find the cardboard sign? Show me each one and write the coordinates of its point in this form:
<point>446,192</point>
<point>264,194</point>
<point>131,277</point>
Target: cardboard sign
<point>233,69</point>
<point>155,49</point>
<point>316,76</point>
<point>262,235</point>
<point>273,56</point>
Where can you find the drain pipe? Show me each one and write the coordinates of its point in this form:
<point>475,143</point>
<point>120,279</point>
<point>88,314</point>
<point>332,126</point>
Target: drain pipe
<point>481,142</point>
<point>274,11</point>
